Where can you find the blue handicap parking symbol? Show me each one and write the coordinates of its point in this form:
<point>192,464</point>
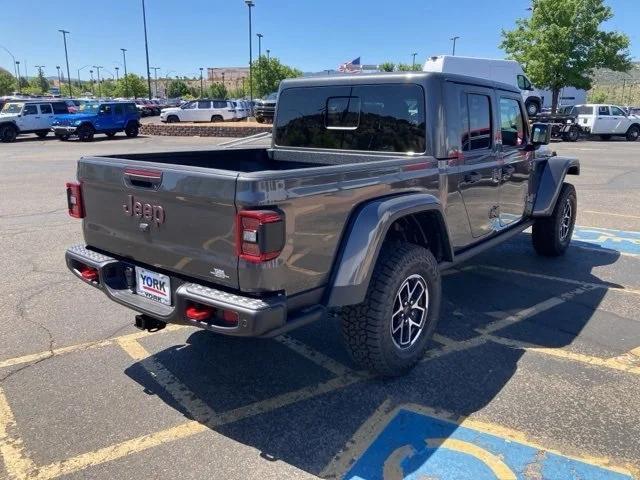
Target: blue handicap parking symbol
<point>417,446</point>
<point>618,240</point>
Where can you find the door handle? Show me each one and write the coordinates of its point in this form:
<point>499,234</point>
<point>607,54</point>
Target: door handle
<point>472,177</point>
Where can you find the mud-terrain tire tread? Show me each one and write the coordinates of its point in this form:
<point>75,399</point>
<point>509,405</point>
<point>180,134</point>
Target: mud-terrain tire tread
<point>546,230</point>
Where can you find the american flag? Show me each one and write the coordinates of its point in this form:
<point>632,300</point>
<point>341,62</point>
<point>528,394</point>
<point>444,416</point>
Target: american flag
<point>354,66</point>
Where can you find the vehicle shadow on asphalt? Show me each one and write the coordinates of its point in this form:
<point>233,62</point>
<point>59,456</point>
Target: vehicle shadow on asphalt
<point>312,429</point>
<point>98,138</point>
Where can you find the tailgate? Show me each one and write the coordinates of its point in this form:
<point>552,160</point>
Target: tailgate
<point>174,218</point>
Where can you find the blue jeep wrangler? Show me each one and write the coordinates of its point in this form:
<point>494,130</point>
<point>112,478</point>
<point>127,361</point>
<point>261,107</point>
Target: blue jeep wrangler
<point>98,117</point>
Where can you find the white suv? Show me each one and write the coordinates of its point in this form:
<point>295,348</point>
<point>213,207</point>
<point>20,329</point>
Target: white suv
<point>241,110</point>
<point>608,121</point>
<point>200,111</point>
<point>19,116</point>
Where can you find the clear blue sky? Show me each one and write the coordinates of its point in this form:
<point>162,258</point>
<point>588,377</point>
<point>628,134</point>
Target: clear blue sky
<point>312,35</point>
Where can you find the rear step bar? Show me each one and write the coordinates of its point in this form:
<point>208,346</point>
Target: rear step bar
<point>192,304</point>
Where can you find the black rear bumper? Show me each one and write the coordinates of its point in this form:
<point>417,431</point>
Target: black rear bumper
<point>257,317</point>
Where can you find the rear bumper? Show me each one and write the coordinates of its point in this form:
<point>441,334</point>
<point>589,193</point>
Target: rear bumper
<point>257,317</point>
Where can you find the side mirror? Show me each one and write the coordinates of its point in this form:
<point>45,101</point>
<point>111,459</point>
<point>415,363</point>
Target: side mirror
<point>540,134</point>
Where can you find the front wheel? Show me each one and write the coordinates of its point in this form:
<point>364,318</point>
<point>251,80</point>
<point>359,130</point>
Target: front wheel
<point>62,138</point>
<point>633,133</point>
<point>173,119</point>
<point>42,133</point>
<point>217,118</point>
<point>85,133</point>
<point>132,130</point>
<point>551,235</point>
<point>572,135</point>
<point>389,331</point>
<point>8,133</point>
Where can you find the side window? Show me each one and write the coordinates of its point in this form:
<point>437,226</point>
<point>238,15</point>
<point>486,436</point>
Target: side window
<point>131,108</point>
<point>60,107</point>
<point>511,123</point>
<point>475,111</point>
<point>189,106</point>
<point>119,109</point>
<point>204,105</point>
<point>219,104</point>
<point>521,83</point>
<point>617,111</point>
<point>45,109</point>
<point>105,109</point>
<point>30,110</point>
<point>603,110</point>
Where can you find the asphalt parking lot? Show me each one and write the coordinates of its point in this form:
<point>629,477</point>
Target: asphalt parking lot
<point>534,372</point>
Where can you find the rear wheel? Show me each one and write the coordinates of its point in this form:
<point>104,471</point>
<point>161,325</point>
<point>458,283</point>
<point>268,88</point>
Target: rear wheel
<point>633,133</point>
<point>42,133</point>
<point>217,118</point>
<point>605,137</point>
<point>532,108</point>
<point>572,135</point>
<point>173,119</point>
<point>132,129</point>
<point>388,332</point>
<point>63,138</point>
<point>85,133</point>
<point>551,235</point>
<point>8,133</point>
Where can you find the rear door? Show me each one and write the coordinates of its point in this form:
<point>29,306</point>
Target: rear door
<point>119,116</point>
<point>204,112</point>
<point>168,217</point>
<point>46,116</point>
<point>515,168</point>
<point>479,180</point>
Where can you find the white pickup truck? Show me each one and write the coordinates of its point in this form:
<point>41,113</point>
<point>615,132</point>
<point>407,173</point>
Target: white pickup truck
<point>608,121</point>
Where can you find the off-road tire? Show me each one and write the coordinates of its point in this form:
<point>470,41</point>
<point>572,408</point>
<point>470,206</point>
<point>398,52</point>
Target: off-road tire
<point>217,118</point>
<point>547,235</point>
<point>8,133</point>
<point>85,133</point>
<point>42,133</point>
<point>173,119</point>
<point>260,119</point>
<point>132,130</point>
<point>572,135</point>
<point>633,133</point>
<point>366,327</point>
<point>605,137</point>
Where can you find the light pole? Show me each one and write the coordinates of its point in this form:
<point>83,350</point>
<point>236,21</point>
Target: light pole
<point>98,67</point>
<point>146,46</point>
<point>250,4</point>
<point>117,74</point>
<point>413,64</point>
<point>126,81</point>
<point>259,35</point>
<point>268,52</point>
<point>453,39</point>
<point>79,70</point>
<point>155,77</point>
<point>59,80</point>
<point>201,85</point>
<point>15,64</point>
<point>93,86</point>
<point>66,57</point>
<point>18,68</point>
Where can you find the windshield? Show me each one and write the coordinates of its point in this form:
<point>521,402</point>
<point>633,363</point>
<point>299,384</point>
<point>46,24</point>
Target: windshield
<point>12,108</point>
<point>89,108</point>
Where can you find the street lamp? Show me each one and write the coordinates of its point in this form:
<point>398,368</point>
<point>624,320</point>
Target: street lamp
<point>79,70</point>
<point>98,67</point>
<point>250,4</point>
<point>117,74</point>
<point>15,64</point>
<point>155,76</point>
<point>126,81</point>
<point>59,80</point>
<point>201,87</point>
<point>268,52</point>
<point>18,68</point>
<point>66,56</point>
<point>146,47</point>
<point>454,45</point>
<point>413,64</point>
<point>259,35</point>
<point>93,86</point>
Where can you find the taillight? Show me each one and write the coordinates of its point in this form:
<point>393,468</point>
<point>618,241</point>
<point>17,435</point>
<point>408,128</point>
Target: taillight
<point>74,200</point>
<point>261,235</point>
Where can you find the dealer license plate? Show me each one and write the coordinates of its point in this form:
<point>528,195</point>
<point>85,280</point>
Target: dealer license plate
<point>154,286</point>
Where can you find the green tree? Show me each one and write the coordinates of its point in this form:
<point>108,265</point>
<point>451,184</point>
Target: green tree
<point>562,43</point>
<point>133,86</point>
<point>267,75</point>
<point>597,96</point>
<point>7,82</point>
<point>177,89</point>
<point>217,90</point>
<point>387,67</point>
<point>407,67</point>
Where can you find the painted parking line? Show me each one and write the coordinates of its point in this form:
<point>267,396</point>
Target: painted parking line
<point>621,241</point>
<point>417,443</point>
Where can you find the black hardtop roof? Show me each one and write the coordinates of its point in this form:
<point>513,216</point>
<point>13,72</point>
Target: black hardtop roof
<point>34,100</point>
<point>392,77</point>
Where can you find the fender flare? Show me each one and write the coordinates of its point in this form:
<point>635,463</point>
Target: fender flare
<point>364,237</point>
<point>550,182</point>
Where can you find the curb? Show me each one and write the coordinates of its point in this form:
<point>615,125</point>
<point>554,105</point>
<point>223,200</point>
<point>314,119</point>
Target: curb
<point>178,130</point>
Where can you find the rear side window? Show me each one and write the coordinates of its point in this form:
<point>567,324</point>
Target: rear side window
<point>381,118</point>
<point>476,121</point>
<point>511,123</point>
<point>131,108</point>
<point>219,104</point>
<point>584,110</point>
<point>30,110</point>
<point>60,107</point>
<point>119,109</point>
<point>604,110</point>
<point>204,105</point>
<point>45,108</point>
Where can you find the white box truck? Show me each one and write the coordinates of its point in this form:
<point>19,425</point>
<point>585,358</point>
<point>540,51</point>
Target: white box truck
<point>504,71</point>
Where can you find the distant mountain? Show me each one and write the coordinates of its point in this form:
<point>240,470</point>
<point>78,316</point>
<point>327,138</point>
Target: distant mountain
<point>621,88</point>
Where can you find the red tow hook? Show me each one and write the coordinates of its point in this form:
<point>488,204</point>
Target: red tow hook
<point>89,273</point>
<point>199,313</point>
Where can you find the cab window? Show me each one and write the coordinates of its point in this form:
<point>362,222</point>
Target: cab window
<point>603,110</point>
<point>511,123</point>
<point>617,111</point>
<point>105,110</point>
<point>30,110</point>
<point>476,120</point>
<point>189,106</point>
<point>524,83</point>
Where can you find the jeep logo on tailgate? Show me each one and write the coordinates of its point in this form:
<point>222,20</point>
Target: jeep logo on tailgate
<point>145,211</point>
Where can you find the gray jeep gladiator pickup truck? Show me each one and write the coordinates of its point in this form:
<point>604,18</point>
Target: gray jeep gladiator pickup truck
<point>372,185</point>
